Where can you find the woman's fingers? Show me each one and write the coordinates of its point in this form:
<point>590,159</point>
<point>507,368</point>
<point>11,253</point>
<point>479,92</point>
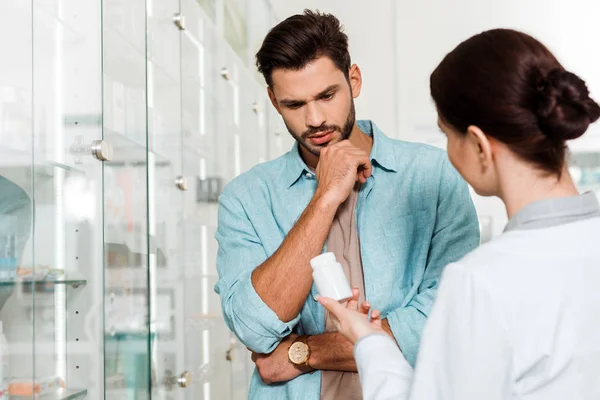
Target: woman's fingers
<point>351,323</point>
<point>335,308</point>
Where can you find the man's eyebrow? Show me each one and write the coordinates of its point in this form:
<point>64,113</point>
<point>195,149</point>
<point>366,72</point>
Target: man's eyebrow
<point>291,102</point>
<point>329,89</point>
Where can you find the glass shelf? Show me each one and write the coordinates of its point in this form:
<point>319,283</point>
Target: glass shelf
<point>45,283</point>
<point>61,394</point>
<point>15,159</point>
<point>131,151</point>
<point>42,293</point>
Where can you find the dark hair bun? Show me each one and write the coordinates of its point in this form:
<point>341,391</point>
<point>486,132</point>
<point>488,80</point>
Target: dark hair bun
<point>565,109</point>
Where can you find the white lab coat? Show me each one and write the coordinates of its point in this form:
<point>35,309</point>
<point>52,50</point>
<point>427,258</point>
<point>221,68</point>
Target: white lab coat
<point>518,318</point>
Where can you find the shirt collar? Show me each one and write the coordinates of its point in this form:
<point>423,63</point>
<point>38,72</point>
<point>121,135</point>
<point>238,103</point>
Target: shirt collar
<point>553,212</point>
<point>295,166</point>
<point>382,154</point>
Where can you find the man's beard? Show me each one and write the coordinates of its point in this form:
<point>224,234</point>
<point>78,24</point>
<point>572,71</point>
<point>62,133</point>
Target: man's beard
<point>346,131</point>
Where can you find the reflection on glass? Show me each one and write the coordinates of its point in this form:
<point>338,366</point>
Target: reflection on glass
<point>16,143</point>
<point>15,230</point>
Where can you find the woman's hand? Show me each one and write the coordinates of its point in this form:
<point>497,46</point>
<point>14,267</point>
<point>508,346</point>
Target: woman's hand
<point>353,321</point>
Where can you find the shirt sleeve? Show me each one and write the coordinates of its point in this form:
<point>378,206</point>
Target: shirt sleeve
<point>383,370</point>
<point>465,351</point>
<point>455,234</point>
<point>240,252</point>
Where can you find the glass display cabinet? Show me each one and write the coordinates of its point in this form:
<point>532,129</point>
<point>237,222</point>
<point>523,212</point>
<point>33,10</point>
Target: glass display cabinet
<point>120,123</point>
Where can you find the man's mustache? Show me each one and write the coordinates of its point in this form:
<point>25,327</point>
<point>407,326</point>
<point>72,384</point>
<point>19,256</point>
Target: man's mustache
<point>323,128</point>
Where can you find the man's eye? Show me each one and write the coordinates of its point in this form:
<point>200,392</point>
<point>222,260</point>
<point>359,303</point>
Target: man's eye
<point>328,96</point>
<point>294,106</point>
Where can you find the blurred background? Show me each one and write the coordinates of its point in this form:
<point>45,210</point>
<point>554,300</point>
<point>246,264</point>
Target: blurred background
<point>120,123</point>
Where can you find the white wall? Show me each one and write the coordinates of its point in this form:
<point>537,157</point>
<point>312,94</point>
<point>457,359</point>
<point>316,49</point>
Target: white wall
<point>429,29</point>
<point>399,43</point>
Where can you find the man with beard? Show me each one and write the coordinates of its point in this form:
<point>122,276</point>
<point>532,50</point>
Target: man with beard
<point>393,213</point>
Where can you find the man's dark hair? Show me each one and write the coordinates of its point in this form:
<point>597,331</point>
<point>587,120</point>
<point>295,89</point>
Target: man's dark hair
<point>303,38</point>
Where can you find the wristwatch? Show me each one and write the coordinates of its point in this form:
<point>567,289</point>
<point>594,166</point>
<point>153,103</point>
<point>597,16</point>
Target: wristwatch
<point>299,352</point>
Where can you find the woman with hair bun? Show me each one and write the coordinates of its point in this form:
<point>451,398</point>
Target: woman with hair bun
<point>519,317</point>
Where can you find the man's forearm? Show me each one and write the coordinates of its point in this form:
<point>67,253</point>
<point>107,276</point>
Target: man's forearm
<point>333,352</point>
<point>284,281</point>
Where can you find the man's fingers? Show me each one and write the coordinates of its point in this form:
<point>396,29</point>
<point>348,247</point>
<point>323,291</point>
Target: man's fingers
<point>364,307</point>
<point>353,302</point>
<point>366,168</point>
<point>361,178</point>
<point>375,314</point>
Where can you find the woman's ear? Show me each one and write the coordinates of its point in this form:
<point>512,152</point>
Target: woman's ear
<point>482,146</point>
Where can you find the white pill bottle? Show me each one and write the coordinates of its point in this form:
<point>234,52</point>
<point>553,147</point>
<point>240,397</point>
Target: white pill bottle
<point>329,277</point>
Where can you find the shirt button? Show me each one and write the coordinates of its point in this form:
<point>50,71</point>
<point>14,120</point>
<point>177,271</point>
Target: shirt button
<point>309,175</point>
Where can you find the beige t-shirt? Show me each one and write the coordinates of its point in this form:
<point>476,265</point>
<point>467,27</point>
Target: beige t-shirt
<point>343,242</point>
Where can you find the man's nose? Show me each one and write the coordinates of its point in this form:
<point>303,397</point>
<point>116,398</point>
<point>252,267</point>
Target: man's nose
<point>315,117</point>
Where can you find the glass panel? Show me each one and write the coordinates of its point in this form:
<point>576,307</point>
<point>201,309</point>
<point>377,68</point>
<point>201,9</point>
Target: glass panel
<point>260,20</point>
<point>16,189</point>
<point>128,340</point>
<point>208,118</point>
<point>210,8</point>
<point>68,191</point>
<point>253,126</point>
<point>234,26</point>
<point>165,196</point>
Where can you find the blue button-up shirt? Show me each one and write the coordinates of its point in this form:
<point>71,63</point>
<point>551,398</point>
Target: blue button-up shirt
<point>414,216</point>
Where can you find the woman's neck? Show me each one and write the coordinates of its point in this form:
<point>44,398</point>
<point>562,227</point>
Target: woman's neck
<point>524,185</point>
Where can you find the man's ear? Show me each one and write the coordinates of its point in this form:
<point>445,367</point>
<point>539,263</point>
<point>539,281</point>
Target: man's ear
<point>355,77</point>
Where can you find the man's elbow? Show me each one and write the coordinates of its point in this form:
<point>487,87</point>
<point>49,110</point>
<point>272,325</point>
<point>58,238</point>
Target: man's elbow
<point>253,335</point>
<point>260,344</point>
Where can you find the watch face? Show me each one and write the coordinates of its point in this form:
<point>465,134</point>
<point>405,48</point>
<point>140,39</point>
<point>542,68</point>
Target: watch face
<point>298,353</point>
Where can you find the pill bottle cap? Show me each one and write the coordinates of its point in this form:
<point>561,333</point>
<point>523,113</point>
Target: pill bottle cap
<point>322,260</point>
